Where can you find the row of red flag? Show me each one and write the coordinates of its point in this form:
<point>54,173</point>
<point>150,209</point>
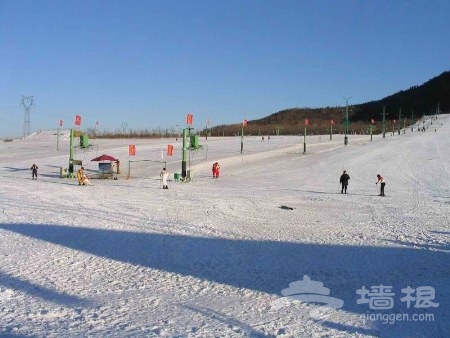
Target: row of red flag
<point>190,120</point>
<point>132,150</point>
<point>77,121</point>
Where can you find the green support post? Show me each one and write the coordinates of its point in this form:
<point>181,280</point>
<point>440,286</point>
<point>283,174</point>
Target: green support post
<point>57,139</point>
<point>71,146</point>
<point>70,173</point>
<point>183,158</point>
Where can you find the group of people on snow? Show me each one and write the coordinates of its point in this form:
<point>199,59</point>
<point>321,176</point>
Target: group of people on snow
<point>83,179</point>
<point>343,181</point>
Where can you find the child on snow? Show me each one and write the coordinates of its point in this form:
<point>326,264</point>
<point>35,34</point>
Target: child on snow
<point>82,178</point>
<point>216,170</point>
<point>164,175</point>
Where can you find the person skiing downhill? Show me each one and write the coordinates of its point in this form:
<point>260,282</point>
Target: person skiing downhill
<point>344,182</point>
<point>34,168</point>
<point>382,184</point>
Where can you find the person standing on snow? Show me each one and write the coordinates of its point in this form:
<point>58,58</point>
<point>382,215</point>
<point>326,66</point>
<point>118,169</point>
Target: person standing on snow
<point>382,184</point>
<point>164,175</point>
<point>344,182</point>
<point>34,168</point>
<point>216,170</point>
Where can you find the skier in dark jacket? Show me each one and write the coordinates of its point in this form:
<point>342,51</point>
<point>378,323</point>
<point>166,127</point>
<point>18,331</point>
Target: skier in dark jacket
<point>34,169</point>
<point>344,182</point>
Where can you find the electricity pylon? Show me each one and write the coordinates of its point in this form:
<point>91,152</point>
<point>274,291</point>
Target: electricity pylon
<point>27,103</point>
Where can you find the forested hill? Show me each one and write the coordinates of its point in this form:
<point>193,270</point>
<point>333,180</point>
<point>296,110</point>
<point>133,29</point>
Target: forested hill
<point>414,102</point>
<point>421,100</point>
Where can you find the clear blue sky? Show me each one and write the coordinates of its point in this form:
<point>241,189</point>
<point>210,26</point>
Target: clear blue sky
<point>149,63</point>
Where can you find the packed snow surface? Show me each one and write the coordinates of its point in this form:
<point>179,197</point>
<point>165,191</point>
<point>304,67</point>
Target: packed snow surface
<point>270,248</point>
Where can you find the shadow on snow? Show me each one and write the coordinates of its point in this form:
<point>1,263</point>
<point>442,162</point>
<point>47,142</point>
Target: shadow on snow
<point>269,266</point>
<point>41,292</point>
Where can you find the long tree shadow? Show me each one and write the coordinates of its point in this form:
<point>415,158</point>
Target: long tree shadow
<point>269,266</point>
<point>15,169</point>
<point>330,192</point>
<point>42,292</point>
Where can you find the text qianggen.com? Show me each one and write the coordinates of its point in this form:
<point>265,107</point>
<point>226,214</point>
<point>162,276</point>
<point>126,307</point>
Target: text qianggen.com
<point>391,318</point>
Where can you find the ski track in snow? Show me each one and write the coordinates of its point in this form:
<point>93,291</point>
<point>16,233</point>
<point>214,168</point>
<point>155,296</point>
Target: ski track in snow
<point>209,258</point>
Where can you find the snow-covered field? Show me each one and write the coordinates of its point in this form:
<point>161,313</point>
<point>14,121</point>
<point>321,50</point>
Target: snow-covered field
<point>210,258</point>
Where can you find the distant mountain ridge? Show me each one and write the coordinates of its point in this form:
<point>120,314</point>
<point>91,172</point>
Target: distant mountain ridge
<point>414,102</point>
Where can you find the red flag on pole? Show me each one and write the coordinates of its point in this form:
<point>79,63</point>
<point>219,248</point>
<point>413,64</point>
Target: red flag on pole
<point>60,123</point>
<point>77,120</point>
<point>244,122</point>
<point>306,122</point>
<point>189,119</point>
<point>131,150</point>
<point>169,150</point>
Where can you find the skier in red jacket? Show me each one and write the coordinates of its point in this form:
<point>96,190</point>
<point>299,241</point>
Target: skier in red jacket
<point>216,170</point>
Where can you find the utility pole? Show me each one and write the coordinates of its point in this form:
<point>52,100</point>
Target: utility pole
<point>304,136</point>
<point>412,121</point>
<point>60,122</point>
<point>399,119</point>
<point>331,129</point>
<point>384,121</point>
<point>346,120</point>
<point>242,139</point>
<point>371,129</point>
<point>26,104</point>
<point>244,123</point>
